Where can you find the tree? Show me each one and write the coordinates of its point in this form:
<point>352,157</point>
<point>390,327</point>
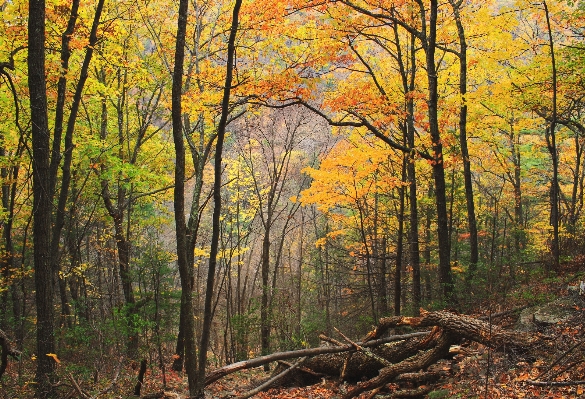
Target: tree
<point>42,199</point>
<point>462,55</point>
<point>185,269</point>
<point>221,130</point>
<point>270,151</point>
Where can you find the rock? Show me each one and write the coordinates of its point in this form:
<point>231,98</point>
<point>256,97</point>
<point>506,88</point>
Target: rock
<point>554,312</point>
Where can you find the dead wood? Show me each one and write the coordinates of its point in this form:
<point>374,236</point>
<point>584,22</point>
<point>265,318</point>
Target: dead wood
<point>82,394</point>
<point>420,361</point>
<point>7,350</point>
<point>420,378</point>
<point>397,362</point>
<point>140,381</point>
<point>271,381</point>
<point>461,325</point>
<point>322,350</point>
<point>357,365</point>
<point>449,329</point>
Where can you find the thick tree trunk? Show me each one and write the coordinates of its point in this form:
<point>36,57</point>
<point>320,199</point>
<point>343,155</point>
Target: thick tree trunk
<point>552,148</point>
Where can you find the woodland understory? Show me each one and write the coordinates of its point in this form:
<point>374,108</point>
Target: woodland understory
<point>292,198</point>
<point>437,355</point>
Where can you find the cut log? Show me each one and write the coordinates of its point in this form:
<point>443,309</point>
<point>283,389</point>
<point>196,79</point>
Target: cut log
<point>463,326</point>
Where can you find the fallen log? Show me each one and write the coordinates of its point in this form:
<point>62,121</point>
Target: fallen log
<point>420,361</point>
<point>7,350</point>
<point>386,363</point>
<point>358,365</point>
<point>461,325</point>
<point>322,350</point>
<point>449,329</point>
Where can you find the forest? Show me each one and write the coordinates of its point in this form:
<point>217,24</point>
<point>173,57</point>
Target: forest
<point>196,188</point>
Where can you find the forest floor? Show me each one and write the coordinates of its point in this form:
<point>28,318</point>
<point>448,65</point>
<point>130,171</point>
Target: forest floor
<point>475,371</point>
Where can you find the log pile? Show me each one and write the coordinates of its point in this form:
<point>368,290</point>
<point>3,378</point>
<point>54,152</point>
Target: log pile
<point>380,363</point>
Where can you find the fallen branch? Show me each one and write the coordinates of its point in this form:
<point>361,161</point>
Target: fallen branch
<point>303,369</point>
<point>418,362</point>
<point>81,393</point>
<point>7,350</point>
<point>365,351</point>
<point>259,361</point>
<point>420,377</point>
<point>271,381</point>
<point>114,380</point>
<point>449,329</point>
<point>561,357</point>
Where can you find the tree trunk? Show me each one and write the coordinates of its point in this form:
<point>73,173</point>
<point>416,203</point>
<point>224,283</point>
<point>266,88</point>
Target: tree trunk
<point>221,128</point>
<point>186,339</point>
<point>552,148</point>
<point>45,373</point>
<point>472,223</point>
<point>445,277</point>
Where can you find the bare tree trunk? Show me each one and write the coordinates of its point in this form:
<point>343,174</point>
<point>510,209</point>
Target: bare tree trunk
<point>445,277</point>
<point>225,109</point>
<point>552,148</point>
<point>186,329</point>
<point>45,373</point>
<point>471,221</point>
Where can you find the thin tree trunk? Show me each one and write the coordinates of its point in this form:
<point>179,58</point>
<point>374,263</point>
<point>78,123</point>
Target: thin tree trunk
<point>552,148</point>
<point>399,243</point>
<point>471,221</point>
<point>216,224</point>
<point>187,328</point>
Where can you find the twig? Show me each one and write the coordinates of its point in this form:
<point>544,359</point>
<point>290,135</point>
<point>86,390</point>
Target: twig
<point>365,351</point>
<point>561,357</point>
<point>114,380</point>
<point>554,383</point>
<point>344,369</point>
<point>78,388</point>
<point>333,341</point>
<point>272,380</point>
<point>303,369</point>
